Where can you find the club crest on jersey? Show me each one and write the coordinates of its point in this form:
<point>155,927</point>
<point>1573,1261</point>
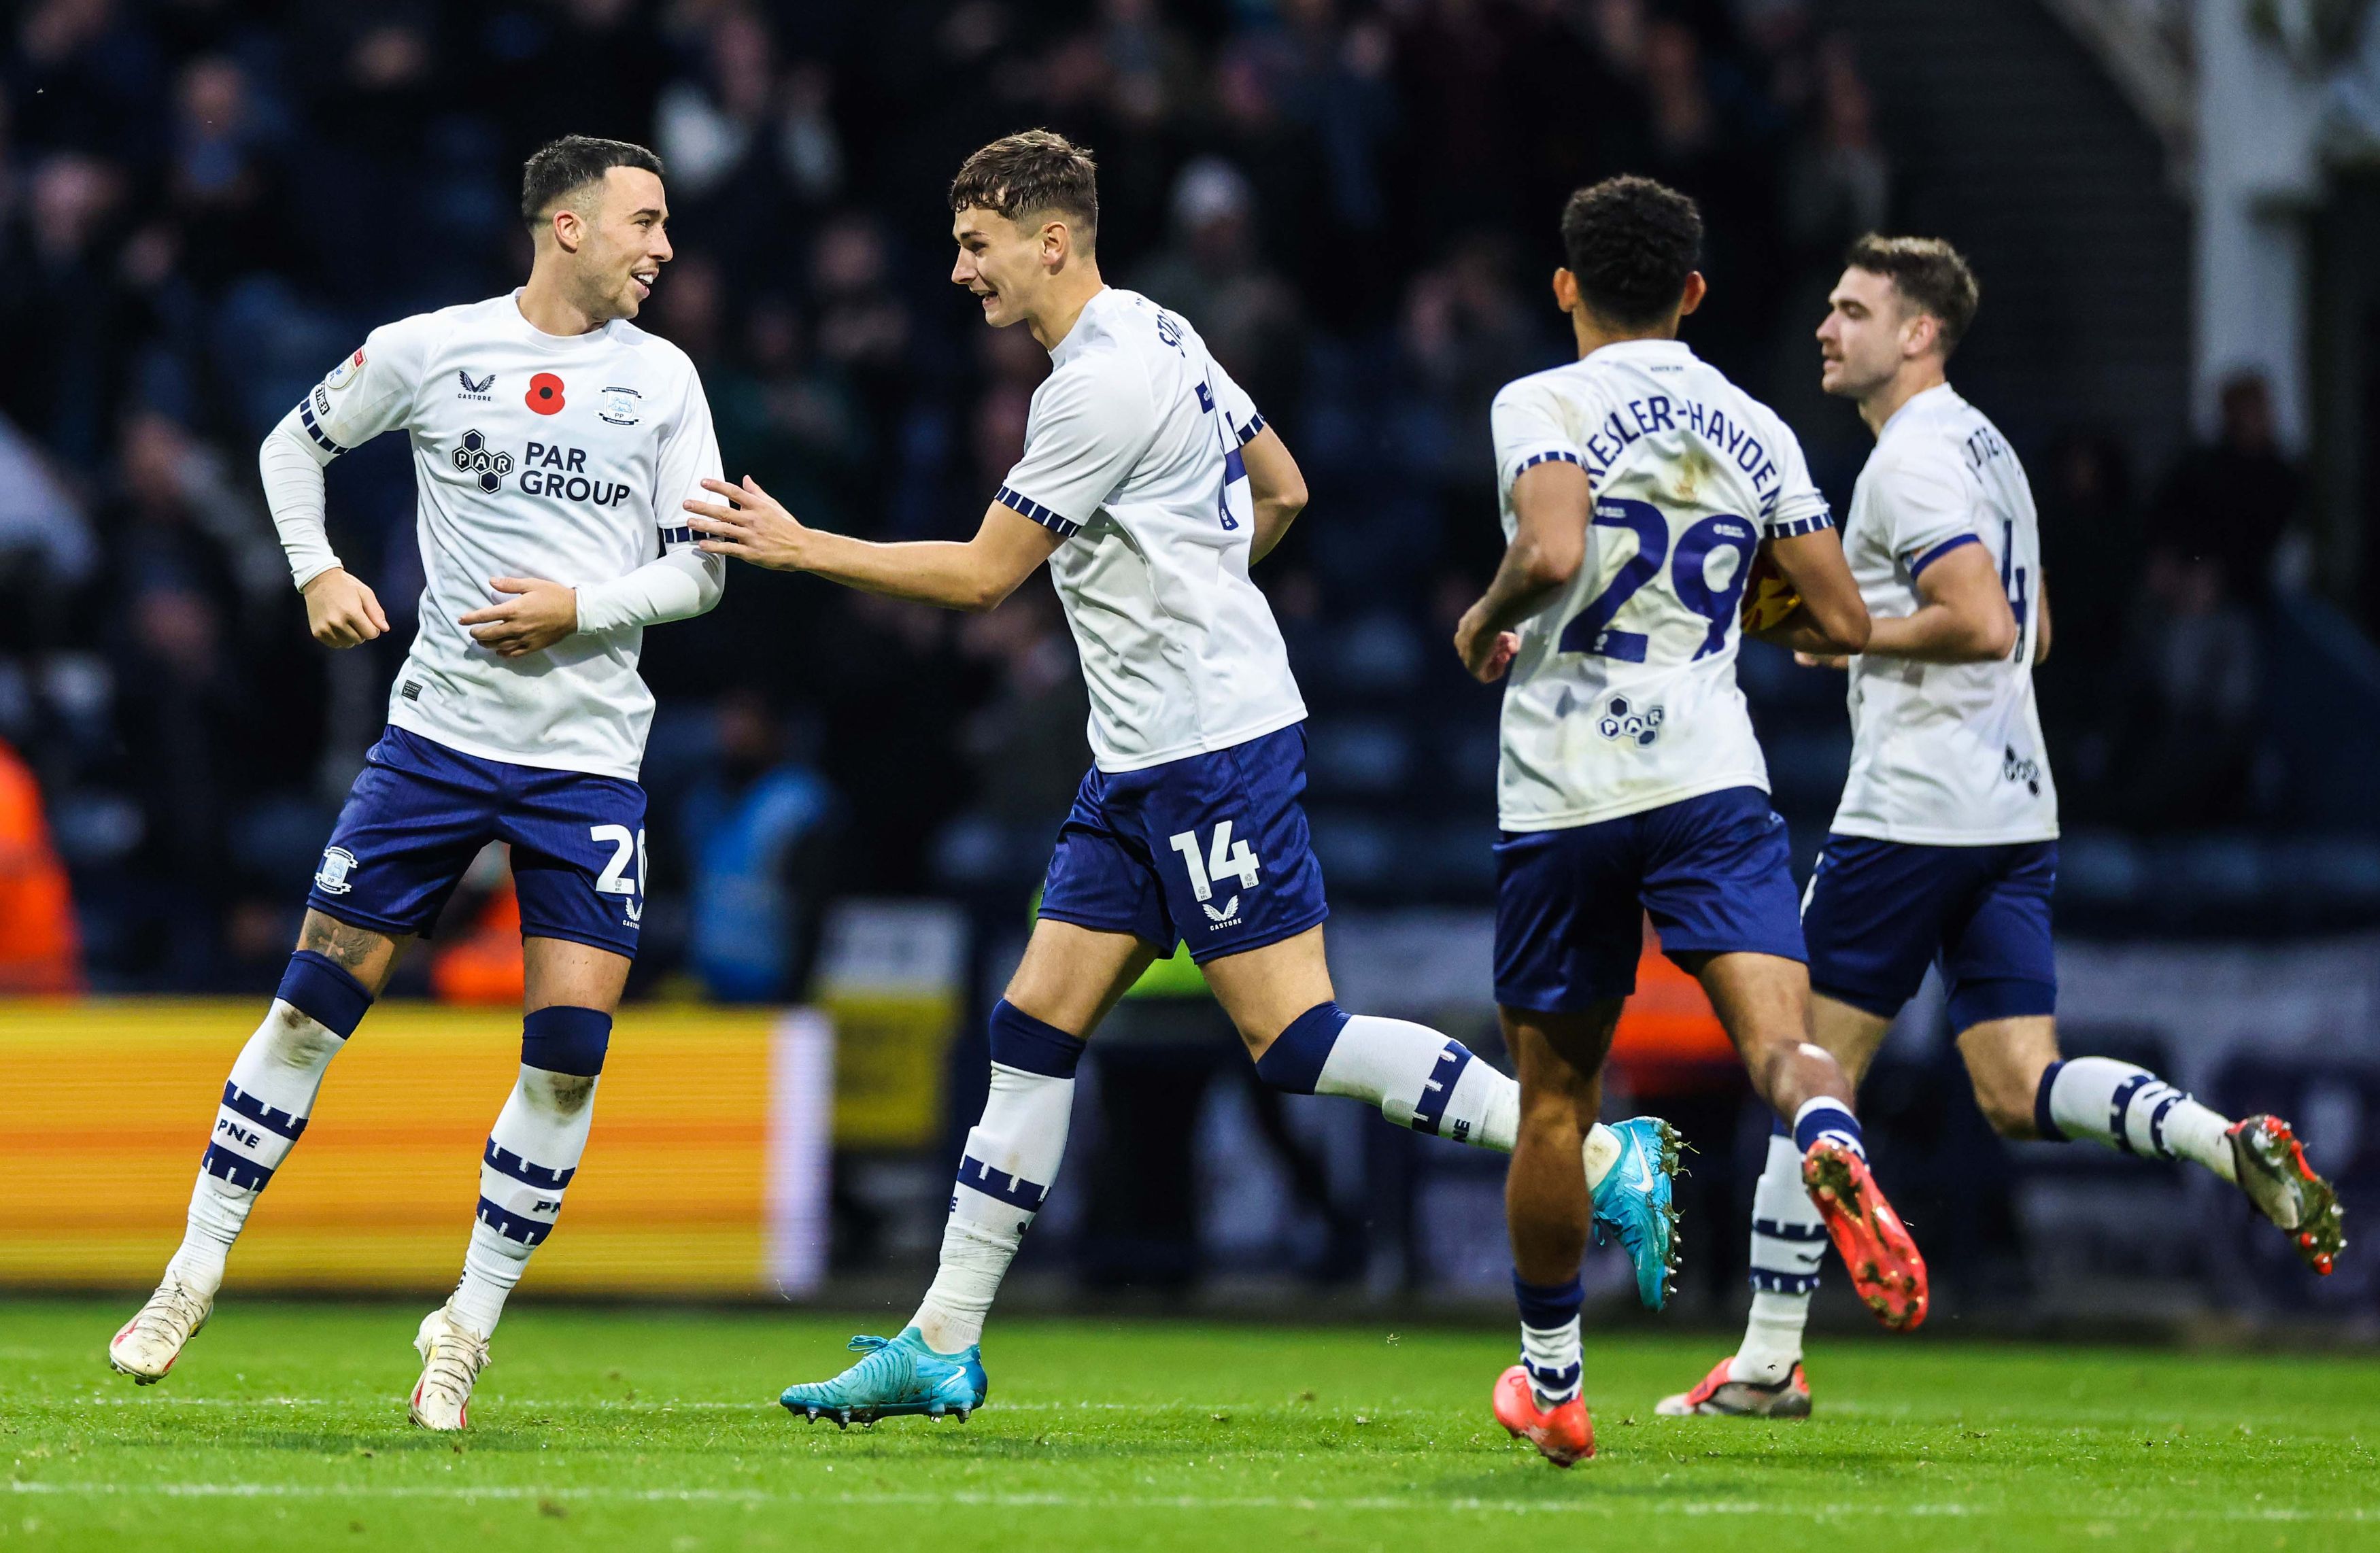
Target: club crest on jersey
<point>345,370</point>
<point>476,389</point>
<point>620,407</point>
<point>1624,722</point>
<point>482,463</point>
<point>330,878</point>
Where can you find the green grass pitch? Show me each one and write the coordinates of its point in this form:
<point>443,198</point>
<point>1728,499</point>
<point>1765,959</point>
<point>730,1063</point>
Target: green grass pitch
<point>283,1429</point>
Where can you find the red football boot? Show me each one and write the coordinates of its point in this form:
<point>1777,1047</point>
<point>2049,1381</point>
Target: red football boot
<point>1563,1434</point>
<point>2271,1168</point>
<point>1884,1267</point>
<point>1721,1396</point>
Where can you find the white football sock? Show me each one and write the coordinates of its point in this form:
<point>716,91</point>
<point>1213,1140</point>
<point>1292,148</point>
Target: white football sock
<point>1552,1358</point>
<point>1789,1240</point>
<point>1423,1080</point>
<point>1012,1157</point>
<point>2132,1109</point>
<point>264,1108</point>
<point>532,1152</point>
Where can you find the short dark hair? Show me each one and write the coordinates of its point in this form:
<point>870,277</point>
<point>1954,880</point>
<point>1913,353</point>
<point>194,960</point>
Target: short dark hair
<point>1025,174</point>
<point>560,168</point>
<point>1931,274</point>
<point>1631,244</point>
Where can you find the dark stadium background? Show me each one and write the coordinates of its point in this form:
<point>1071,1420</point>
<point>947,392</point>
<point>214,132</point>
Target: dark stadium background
<point>205,204</point>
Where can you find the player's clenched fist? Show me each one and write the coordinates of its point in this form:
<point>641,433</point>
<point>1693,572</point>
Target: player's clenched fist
<point>749,525</point>
<point>1484,652</point>
<point>341,612</point>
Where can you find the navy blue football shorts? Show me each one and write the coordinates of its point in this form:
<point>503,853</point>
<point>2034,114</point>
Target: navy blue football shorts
<point>1715,873</point>
<point>1210,850</point>
<point>1879,913</point>
<point>421,811</point>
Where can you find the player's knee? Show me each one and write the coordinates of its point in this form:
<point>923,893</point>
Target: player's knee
<point>563,1048</point>
<point>325,1003</point>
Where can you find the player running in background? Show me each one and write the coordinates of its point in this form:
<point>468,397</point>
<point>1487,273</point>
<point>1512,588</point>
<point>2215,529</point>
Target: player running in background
<point>1148,485</point>
<point>553,443</point>
<point>1639,487</point>
<point>1945,845</point>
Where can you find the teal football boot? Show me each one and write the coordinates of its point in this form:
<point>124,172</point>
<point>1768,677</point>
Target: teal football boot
<point>1632,1203</point>
<point>899,1376</point>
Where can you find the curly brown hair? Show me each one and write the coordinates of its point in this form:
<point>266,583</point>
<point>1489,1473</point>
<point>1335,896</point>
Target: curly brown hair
<point>1029,174</point>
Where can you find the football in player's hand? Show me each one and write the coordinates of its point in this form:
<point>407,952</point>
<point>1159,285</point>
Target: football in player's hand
<point>1767,597</point>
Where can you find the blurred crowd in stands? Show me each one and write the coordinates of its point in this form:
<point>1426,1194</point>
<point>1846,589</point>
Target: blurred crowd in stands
<point>206,204</point>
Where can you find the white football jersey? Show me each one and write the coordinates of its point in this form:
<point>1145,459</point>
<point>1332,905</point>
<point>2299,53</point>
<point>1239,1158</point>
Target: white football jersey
<point>1623,695</point>
<point>1945,753</point>
<point>1133,452</point>
<point>534,455</point>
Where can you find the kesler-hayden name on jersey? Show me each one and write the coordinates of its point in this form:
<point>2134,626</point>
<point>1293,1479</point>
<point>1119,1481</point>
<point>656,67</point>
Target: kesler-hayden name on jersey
<point>535,455</point>
<point>1945,753</point>
<point>1623,697</point>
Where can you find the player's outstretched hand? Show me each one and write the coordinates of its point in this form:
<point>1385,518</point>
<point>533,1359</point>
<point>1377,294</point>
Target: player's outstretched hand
<point>342,612</point>
<point>1486,653</point>
<point>749,525</point>
<point>538,614</point>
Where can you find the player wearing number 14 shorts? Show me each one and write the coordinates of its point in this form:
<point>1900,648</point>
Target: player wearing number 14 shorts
<point>1640,486</point>
<point>1148,484</point>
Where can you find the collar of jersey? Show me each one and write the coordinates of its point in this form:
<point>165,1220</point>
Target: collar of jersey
<point>1940,393</point>
<point>530,335</point>
<point>1625,350</point>
<point>1075,336</point>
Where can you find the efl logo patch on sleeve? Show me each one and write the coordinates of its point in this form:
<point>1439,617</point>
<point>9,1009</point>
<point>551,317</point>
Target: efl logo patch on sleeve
<point>342,374</point>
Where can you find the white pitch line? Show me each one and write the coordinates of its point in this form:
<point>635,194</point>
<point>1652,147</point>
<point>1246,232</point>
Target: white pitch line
<point>1396,1504</point>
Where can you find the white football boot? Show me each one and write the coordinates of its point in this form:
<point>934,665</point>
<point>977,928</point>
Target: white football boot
<point>451,1358</point>
<point>146,1346</point>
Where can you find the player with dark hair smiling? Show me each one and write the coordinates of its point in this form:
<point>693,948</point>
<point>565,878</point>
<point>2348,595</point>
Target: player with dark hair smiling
<point>1150,483</point>
<point>553,442</point>
<point>1640,487</point>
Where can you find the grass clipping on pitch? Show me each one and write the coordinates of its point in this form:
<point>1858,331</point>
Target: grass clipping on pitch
<point>284,1427</point>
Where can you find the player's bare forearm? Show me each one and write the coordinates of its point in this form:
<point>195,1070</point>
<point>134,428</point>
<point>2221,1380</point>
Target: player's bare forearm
<point>1549,507</point>
<point>2041,633</point>
<point>975,576</point>
<point>1278,487</point>
<point>1962,617</point>
<point>1832,617</point>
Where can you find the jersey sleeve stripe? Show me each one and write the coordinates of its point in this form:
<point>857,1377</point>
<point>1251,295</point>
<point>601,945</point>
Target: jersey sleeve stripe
<point>1794,528</point>
<point>680,536</point>
<point>1919,562</point>
<point>1551,456</point>
<point>1017,502</point>
<point>1256,424</point>
<point>306,416</point>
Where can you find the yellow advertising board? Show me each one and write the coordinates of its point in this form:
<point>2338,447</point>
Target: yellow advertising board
<point>706,1173</point>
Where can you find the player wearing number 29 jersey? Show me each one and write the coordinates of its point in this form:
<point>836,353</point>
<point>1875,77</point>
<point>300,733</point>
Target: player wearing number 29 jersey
<point>1622,697</point>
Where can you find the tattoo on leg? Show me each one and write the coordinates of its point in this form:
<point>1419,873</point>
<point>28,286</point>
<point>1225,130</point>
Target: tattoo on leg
<point>348,947</point>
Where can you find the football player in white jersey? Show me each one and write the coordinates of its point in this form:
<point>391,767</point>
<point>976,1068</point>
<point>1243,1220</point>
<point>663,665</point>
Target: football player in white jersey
<point>1149,483</point>
<point>1640,486</point>
<point>554,442</point>
<point>1944,846</point>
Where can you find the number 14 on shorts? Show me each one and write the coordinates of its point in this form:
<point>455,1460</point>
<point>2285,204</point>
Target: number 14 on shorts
<point>1225,858</point>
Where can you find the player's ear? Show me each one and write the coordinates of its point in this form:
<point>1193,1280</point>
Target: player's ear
<point>1692,297</point>
<point>1565,289</point>
<point>568,227</point>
